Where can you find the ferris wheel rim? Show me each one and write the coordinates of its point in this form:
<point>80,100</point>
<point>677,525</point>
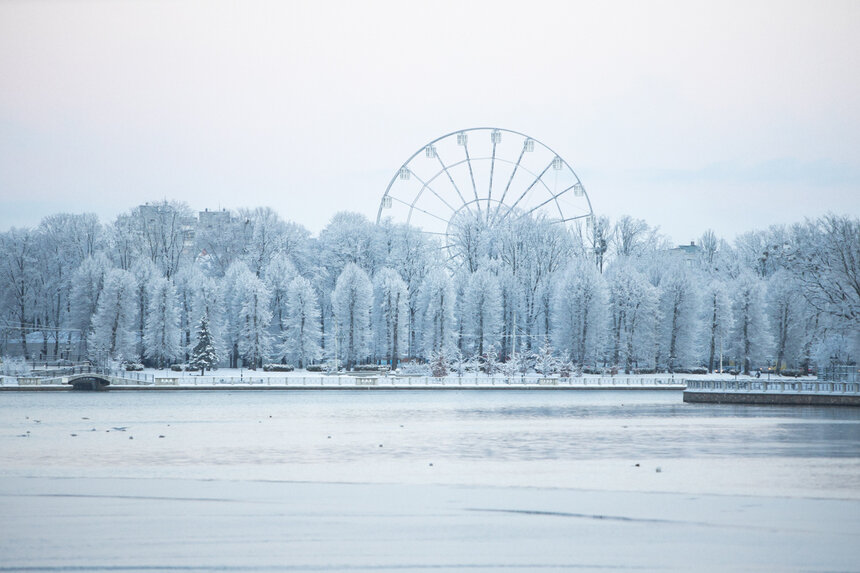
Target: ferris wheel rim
<point>406,163</point>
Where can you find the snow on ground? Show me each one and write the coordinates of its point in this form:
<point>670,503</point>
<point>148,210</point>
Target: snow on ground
<point>302,373</point>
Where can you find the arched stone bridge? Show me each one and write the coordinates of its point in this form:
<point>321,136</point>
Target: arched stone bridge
<point>89,381</point>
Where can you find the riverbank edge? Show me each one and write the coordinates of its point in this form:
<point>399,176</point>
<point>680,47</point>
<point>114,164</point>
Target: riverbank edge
<point>774,398</point>
<point>210,388</point>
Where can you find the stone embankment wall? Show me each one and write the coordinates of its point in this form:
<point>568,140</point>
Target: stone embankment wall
<point>772,398</point>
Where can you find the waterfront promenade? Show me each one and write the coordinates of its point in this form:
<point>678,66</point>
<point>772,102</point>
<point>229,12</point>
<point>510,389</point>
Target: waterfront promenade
<point>182,381</point>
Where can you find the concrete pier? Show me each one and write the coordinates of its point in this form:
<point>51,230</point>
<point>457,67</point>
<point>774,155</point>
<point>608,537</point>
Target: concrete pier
<point>774,392</point>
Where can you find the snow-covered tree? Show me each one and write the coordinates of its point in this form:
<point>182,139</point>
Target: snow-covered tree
<point>161,335</point>
<point>532,249</point>
<point>279,274</point>
<point>87,285</point>
<point>836,347</point>
<point>632,238</point>
<point>221,238</point>
<point>390,315</point>
<point>301,341</point>
<point>351,301</point>
<point>144,272</point>
<point>113,325</point>
<point>65,240</point>
<point>255,315</point>
<point>471,239</point>
<point>232,295</point>
<point>678,308</point>
<point>438,301</point>
<point>709,246</point>
<point>78,236</point>
<point>633,310</point>
<point>18,279</point>
<point>512,312</point>
<point>579,315</point>
<point>187,282</point>
<point>210,301</point>
<point>716,320</point>
<point>349,238</point>
<point>159,231</point>
<point>52,280</point>
<point>264,237</point>
<point>462,363</point>
<point>785,312</point>
<point>598,235</point>
<point>439,365</point>
<point>513,366</point>
<point>545,361</point>
<point>826,262</point>
<point>413,255</point>
<point>750,335</point>
<point>482,311</point>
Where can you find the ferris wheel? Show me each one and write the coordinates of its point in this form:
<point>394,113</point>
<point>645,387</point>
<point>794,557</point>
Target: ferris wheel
<point>482,176</point>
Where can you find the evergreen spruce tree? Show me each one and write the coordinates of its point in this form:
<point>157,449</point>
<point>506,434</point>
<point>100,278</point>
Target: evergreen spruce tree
<point>439,365</point>
<point>545,361</point>
<point>203,355</point>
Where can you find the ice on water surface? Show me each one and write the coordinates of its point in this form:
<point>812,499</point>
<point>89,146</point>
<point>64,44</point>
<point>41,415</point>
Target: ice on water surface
<point>408,480</point>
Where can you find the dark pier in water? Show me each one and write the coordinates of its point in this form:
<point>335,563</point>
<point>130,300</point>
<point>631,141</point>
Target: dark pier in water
<point>774,392</point>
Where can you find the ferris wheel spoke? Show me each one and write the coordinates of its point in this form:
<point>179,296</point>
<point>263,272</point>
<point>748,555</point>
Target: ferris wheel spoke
<point>553,197</point>
<point>568,219</point>
<point>426,185</point>
<point>490,189</point>
<point>529,188</point>
<point>508,186</point>
<point>451,179</point>
<point>472,176</point>
<point>451,253</point>
<point>412,206</point>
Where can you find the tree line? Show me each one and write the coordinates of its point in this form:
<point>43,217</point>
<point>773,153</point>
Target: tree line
<point>162,284</point>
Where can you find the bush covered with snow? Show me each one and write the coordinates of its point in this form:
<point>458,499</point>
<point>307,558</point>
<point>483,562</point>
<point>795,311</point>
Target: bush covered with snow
<point>696,370</point>
<point>14,366</point>
<point>371,367</point>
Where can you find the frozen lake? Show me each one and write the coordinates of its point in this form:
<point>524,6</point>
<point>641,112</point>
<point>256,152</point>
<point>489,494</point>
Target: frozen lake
<point>423,480</point>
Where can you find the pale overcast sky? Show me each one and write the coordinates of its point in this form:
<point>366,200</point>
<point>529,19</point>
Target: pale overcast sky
<point>691,115</point>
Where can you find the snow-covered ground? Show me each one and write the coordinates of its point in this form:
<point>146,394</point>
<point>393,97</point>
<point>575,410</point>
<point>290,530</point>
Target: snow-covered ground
<point>237,375</point>
<point>237,372</point>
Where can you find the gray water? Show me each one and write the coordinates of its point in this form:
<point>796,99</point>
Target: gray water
<point>406,480</point>
<point>267,429</point>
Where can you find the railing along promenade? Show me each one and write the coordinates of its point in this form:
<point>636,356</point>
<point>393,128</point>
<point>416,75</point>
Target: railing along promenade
<point>140,380</point>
